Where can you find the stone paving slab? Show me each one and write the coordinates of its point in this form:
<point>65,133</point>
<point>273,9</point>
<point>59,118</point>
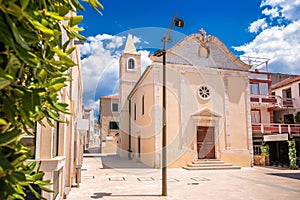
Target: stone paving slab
<point>133,180</point>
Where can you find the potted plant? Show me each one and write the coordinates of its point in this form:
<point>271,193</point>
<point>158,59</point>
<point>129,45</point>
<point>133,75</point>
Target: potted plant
<point>265,152</point>
<point>263,158</point>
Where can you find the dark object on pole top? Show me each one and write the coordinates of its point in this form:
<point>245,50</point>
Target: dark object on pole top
<point>179,22</point>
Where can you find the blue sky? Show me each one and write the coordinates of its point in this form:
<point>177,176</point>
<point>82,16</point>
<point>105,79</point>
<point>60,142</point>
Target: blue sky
<point>258,28</point>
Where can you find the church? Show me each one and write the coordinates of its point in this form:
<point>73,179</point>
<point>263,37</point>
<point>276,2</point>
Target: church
<point>207,105</point>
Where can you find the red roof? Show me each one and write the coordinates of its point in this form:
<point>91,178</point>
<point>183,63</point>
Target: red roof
<point>286,82</point>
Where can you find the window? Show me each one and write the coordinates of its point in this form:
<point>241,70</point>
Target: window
<point>143,105</point>
<point>131,64</point>
<point>115,107</point>
<point>261,88</point>
<point>204,92</point>
<point>254,88</point>
<point>114,125</point>
<point>255,116</point>
<point>287,93</point>
<point>55,137</point>
<point>299,88</point>
<point>134,111</point>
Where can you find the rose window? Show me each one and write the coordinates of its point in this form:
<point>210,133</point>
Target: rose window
<point>204,92</point>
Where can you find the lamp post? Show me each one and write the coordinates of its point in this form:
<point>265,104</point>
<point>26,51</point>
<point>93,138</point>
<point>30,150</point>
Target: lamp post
<point>179,23</point>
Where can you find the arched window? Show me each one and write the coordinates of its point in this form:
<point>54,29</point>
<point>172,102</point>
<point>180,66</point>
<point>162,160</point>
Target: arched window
<point>131,64</point>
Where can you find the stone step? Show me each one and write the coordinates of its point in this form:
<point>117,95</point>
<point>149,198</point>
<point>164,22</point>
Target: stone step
<point>209,164</point>
<point>212,168</point>
<point>210,161</point>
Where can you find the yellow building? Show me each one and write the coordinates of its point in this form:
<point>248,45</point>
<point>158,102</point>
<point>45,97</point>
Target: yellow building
<point>208,105</point>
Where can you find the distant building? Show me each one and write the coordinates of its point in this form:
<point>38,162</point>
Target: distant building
<point>93,139</point>
<point>109,112</point>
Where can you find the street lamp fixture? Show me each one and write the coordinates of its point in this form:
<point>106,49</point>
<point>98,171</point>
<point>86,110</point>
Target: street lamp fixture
<point>159,53</point>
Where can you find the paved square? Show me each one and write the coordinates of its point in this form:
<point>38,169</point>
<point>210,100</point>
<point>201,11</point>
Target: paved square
<point>128,179</point>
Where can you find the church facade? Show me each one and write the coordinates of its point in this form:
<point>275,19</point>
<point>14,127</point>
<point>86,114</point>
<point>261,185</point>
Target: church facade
<point>207,110</point>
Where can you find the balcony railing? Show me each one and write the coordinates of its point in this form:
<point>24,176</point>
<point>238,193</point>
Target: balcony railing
<point>275,128</point>
<point>260,100</point>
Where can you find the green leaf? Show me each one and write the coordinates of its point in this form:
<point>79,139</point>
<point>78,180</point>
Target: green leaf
<point>10,136</point>
<point>55,16</point>
<point>2,122</point>
<point>75,20</point>
<point>77,5</point>
<point>4,83</point>
<point>56,87</point>
<point>5,33</point>
<point>30,100</point>
<point>57,80</point>
<point>37,176</point>
<point>41,27</point>
<point>18,37</point>
<point>24,4</point>
<point>70,50</point>
<point>95,5</point>
<point>42,76</point>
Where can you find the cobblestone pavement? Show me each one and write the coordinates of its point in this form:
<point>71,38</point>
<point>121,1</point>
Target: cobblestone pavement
<point>110,177</point>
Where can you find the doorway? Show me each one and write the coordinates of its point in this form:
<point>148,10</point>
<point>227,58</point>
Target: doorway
<point>206,142</point>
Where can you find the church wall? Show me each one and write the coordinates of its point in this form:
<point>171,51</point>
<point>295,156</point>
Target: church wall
<point>144,124</point>
<point>237,151</point>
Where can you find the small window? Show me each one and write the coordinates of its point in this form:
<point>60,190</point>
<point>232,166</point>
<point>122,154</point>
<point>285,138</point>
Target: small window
<point>114,125</point>
<point>134,111</point>
<point>143,105</point>
<point>115,107</point>
<point>131,64</point>
<point>299,88</point>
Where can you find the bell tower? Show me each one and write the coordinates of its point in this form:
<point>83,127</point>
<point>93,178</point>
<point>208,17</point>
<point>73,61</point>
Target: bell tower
<point>129,74</point>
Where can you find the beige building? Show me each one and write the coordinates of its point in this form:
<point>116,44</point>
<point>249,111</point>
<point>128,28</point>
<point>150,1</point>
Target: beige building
<point>109,123</point>
<point>208,105</point>
<point>60,148</point>
<point>273,110</point>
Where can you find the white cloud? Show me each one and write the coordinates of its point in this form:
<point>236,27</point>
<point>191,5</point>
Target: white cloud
<point>145,60</point>
<point>276,41</point>
<point>258,25</point>
<point>271,12</point>
<point>100,62</point>
<point>288,8</point>
<point>280,44</point>
<point>100,66</point>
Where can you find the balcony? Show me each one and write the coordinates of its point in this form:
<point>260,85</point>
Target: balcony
<point>258,100</point>
<point>275,128</point>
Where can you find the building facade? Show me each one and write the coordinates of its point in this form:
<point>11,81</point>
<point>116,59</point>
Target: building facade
<point>208,105</point>
<point>59,149</point>
<point>109,123</point>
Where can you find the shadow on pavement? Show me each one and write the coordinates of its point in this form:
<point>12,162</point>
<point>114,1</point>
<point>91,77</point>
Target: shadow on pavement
<point>115,162</point>
<point>287,175</point>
